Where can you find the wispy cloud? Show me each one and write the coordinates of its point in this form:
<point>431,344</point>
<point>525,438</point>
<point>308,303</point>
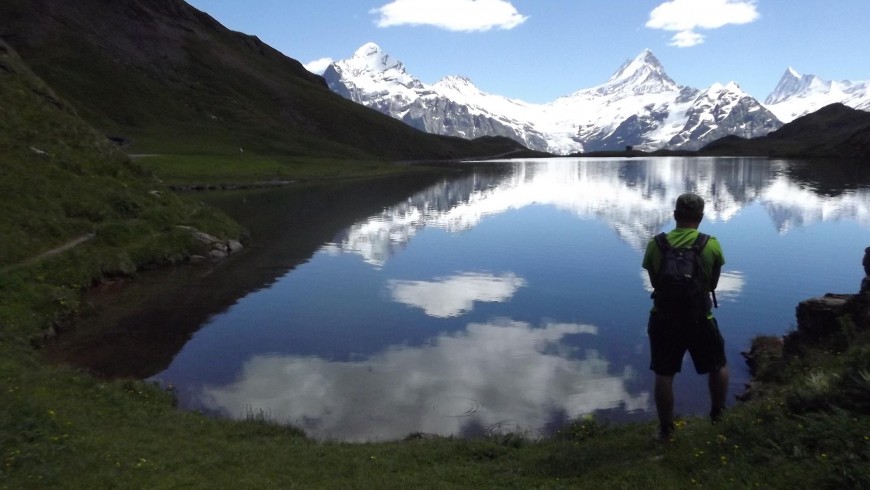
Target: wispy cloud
<point>453,15</point>
<point>686,17</point>
<point>318,66</point>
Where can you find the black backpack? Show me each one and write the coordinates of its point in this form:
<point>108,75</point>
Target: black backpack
<point>680,285</point>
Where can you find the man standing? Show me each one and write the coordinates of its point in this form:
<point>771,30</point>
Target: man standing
<point>684,267</point>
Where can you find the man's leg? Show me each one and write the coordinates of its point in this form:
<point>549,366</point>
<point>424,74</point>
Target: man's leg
<point>664,395</point>
<point>717,381</point>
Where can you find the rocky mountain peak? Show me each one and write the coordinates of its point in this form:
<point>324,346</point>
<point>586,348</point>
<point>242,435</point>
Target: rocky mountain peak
<point>456,82</point>
<point>371,58</point>
<point>730,87</point>
<point>793,84</point>
<point>366,50</point>
<point>643,74</point>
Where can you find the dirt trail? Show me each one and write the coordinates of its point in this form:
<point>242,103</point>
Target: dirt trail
<point>75,242</point>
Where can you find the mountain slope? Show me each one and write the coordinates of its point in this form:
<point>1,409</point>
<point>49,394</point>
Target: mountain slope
<point>452,107</point>
<point>64,183</point>
<point>165,77</point>
<point>640,105</point>
<point>833,131</point>
<point>797,95</point>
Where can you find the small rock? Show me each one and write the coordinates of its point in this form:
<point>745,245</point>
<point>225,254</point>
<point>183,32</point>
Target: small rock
<point>205,237</point>
<point>217,255</point>
<point>234,246</point>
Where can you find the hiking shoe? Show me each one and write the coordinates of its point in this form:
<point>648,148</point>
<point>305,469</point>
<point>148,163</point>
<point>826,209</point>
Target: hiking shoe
<point>666,433</point>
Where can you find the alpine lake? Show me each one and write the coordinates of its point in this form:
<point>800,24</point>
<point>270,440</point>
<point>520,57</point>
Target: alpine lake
<point>508,297</point>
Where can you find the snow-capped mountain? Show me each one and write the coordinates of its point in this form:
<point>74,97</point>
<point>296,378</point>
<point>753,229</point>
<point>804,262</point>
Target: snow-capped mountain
<point>452,106</point>
<point>797,95</point>
<point>639,106</point>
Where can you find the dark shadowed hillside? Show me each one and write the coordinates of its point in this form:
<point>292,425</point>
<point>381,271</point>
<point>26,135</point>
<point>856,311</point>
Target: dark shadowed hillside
<point>161,76</point>
<point>835,131</point>
<point>62,183</point>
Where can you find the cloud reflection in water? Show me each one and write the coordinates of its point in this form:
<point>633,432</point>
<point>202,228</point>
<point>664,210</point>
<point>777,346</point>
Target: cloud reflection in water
<point>504,372</point>
<point>730,285</point>
<point>452,296</point>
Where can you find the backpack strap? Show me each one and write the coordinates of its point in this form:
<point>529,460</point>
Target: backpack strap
<point>701,241</point>
<point>662,241</point>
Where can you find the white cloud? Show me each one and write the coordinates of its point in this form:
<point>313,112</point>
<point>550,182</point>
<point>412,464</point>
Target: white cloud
<point>453,15</point>
<point>685,17</point>
<point>318,66</point>
<point>686,39</point>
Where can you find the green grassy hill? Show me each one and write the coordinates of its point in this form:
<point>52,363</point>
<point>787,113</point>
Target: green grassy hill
<point>161,76</point>
<point>62,180</point>
<point>74,210</point>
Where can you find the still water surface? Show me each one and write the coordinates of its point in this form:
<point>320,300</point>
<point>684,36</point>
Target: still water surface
<point>515,300</point>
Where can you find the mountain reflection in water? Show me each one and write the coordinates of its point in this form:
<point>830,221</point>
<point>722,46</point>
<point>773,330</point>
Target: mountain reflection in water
<point>515,299</point>
<point>635,197</point>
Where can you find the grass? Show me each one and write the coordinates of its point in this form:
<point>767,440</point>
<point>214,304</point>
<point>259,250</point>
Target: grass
<point>245,168</point>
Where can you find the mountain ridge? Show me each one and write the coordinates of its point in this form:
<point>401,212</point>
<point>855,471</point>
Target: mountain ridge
<point>639,74</point>
<point>639,106</point>
<point>797,95</point>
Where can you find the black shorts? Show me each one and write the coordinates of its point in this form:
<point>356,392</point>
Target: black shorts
<point>669,342</point>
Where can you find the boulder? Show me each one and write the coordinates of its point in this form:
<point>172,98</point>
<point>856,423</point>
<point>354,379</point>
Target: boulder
<point>205,237</point>
<point>817,317</point>
<point>830,322</point>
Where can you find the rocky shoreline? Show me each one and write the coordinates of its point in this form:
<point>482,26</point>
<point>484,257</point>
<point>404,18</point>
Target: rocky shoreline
<point>214,248</point>
<point>829,323</point>
<point>230,187</point>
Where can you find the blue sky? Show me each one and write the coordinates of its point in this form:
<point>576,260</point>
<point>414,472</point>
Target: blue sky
<point>538,50</point>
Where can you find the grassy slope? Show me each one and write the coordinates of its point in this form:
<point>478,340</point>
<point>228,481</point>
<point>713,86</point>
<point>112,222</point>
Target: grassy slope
<point>62,179</point>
